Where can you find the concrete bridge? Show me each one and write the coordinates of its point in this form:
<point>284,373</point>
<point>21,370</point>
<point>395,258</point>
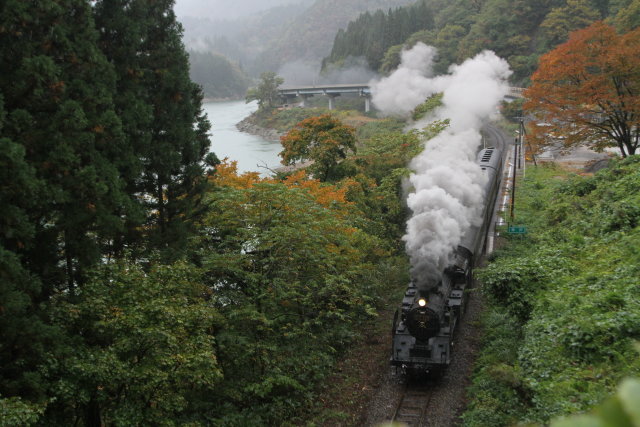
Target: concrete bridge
<point>288,94</point>
<point>330,91</point>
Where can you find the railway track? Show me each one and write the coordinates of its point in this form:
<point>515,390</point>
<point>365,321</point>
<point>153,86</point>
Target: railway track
<point>412,408</point>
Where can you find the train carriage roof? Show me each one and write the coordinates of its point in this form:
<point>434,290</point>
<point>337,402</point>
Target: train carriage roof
<point>489,159</point>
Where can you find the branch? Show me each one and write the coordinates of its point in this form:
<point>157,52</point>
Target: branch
<point>264,166</point>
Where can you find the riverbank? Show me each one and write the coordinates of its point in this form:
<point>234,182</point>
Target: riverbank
<point>221,99</point>
<point>246,125</point>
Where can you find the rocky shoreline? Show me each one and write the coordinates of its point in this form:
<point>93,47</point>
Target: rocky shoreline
<point>269,134</point>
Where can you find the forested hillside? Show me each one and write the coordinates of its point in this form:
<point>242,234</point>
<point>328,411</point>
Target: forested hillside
<point>240,39</point>
<point>518,30</point>
<point>310,35</point>
<point>218,77</point>
<point>372,33</point>
<point>144,282</point>
<point>565,310</point>
<point>272,38</point>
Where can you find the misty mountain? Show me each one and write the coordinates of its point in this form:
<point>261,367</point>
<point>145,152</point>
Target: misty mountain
<point>310,36</point>
<point>218,77</point>
<point>241,40</point>
<point>301,32</point>
<point>221,10</point>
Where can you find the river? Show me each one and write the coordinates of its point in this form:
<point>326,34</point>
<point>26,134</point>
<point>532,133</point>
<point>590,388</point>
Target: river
<point>250,151</point>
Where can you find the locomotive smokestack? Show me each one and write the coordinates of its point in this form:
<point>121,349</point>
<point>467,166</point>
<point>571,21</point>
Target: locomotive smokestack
<point>446,197</point>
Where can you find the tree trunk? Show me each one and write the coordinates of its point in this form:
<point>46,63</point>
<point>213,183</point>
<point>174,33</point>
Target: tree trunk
<point>161,212</point>
<point>92,414</point>
<point>69,265</point>
<point>621,145</point>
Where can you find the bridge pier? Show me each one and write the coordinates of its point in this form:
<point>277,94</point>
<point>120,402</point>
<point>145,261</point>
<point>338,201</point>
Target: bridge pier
<point>288,99</point>
<point>304,97</point>
<point>331,97</point>
<point>367,104</point>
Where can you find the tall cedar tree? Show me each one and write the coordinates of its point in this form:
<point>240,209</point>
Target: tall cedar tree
<point>21,329</point>
<point>62,201</point>
<point>161,108</point>
<point>587,91</point>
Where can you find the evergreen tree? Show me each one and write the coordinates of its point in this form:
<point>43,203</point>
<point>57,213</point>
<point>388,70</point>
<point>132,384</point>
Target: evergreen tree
<point>20,326</point>
<point>62,200</point>
<point>371,35</point>
<point>57,91</point>
<point>162,112</point>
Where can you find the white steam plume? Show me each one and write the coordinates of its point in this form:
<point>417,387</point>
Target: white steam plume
<point>409,85</point>
<point>447,183</point>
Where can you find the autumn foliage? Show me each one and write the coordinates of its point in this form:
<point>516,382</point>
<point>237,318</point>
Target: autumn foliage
<point>326,195</point>
<point>227,175</point>
<point>323,140</point>
<point>587,91</point>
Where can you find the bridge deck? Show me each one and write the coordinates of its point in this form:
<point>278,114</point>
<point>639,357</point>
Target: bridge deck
<point>362,89</point>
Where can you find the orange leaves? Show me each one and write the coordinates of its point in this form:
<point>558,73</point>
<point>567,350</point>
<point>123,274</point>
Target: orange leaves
<point>324,194</point>
<point>586,91</point>
<point>227,176</point>
<point>573,73</point>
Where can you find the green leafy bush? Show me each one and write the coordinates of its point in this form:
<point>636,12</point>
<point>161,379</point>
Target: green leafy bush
<point>15,412</point>
<point>572,286</point>
<point>427,106</point>
<point>516,281</point>
<point>499,392</point>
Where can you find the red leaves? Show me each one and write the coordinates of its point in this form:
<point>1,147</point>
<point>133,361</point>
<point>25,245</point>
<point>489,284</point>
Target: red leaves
<point>587,89</point>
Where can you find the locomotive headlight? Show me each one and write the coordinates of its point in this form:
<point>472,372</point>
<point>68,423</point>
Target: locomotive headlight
<point>422,302</point>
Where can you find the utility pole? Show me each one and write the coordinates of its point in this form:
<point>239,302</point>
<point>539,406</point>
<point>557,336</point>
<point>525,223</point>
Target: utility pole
<point>513,179</point>
<point>523,132</point>
<point>519,149</point>
<point>524,158</point>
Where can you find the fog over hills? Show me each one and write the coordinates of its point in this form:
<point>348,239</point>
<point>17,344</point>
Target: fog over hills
<point>266,35</point>
<point>226,9</point>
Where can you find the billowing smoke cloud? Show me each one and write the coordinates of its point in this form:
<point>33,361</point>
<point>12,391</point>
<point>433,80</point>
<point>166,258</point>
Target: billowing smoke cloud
<point>447,183</point>
<point>409,85</point>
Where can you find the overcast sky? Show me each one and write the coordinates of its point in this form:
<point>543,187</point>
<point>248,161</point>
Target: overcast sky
<point>224,9</point>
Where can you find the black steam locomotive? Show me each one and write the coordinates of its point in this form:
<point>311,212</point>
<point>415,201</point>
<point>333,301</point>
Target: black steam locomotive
<point>424,326</point>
